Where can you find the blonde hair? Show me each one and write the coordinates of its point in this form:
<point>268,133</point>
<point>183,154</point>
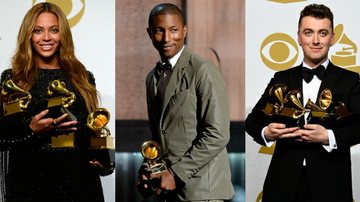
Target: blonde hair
<point>24,65</point>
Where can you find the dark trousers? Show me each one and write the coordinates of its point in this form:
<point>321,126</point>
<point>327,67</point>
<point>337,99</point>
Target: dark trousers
<point>304,192</point>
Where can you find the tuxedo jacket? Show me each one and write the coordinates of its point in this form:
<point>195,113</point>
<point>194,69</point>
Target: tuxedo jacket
<point>193,127</point>
<point>329,173</point>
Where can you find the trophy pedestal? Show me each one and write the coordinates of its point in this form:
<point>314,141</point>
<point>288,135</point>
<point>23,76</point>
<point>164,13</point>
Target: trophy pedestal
<point>157,168</point>
<point>11,108</point>
<point>101,142</point>
<point>57,101</point>
<point>54,106</point>
<point>106,157</point>
<point>63,141</point>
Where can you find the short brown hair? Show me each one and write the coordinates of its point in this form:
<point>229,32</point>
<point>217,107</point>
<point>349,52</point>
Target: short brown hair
<point>319,11</point>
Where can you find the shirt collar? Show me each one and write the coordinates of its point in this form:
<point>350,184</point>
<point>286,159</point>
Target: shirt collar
<point>176,57</point>
<point>325,64</point>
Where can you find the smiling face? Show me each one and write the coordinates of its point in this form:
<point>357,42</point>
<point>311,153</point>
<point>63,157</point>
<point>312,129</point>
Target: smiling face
<point>167,33</point>
<point>315,36</point>
<point>46,39</point>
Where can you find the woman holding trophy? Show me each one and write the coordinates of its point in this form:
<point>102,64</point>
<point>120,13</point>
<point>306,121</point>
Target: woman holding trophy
<point>46,155</point>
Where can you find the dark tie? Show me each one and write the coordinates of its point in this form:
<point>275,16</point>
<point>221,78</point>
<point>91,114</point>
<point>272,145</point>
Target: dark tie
<point>163,74</point>
<point>162,66</point>
<point>308,74</point>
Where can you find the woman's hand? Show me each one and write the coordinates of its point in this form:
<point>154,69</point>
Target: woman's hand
<point>41,124</point>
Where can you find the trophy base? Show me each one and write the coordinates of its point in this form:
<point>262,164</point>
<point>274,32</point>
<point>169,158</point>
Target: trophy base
<point>58,110</point>
<point>106,157</point>
<point>11,108</point>
<point>57,101</point>
<point>157,168</point>
<point>63,141</point>
<point>101,142</point>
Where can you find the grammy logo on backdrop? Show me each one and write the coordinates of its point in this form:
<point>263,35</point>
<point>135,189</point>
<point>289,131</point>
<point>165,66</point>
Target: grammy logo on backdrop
<point>347,50</point>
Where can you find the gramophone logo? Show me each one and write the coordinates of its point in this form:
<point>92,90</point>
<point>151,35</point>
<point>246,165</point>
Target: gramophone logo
<point>346,50</point>
<point>73,9</point>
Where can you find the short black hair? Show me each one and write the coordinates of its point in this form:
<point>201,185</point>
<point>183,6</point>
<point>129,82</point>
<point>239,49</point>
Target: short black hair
<point>319,11</point>
<point>166,8</point>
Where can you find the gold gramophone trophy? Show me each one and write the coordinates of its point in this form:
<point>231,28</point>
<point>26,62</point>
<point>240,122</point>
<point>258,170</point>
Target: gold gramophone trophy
<point>60,99</point>
<point>288,109</point>
<point>97,121</point>
<point>13,98</point>
<point>101,144</point>
<point>326,112</point>
<point>153,155</point>
<point>14,102</point>
<point>284,107</point>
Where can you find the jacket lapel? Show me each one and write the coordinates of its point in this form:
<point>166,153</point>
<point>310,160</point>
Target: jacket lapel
<point>329,79</point>
<point>296,80</point>
<point>175,80</point>
<point>152,87</point>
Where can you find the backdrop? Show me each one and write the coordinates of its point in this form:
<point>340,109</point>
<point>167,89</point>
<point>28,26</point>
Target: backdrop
<point>271,45</point>
<point>93,29</point>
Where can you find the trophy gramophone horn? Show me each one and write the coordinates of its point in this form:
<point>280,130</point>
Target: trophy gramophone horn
<point>59,87</point>
<point>325,99</point>
<point>278,90</point>
<point>312,106</point>
<point>10,93</point>
<point>293,98</point>
<point>98,119</point>
<point>151,150</point>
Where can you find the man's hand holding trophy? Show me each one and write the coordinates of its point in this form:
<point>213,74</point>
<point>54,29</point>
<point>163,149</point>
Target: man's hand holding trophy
<point>154,163</point>
<point>153,155</point>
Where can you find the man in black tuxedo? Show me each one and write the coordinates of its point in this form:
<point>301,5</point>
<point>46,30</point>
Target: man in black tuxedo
<point>311,161</point>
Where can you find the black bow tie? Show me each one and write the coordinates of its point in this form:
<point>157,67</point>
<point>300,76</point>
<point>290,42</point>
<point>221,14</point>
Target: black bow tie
<point>162,66</point>
<point>308,74</point>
